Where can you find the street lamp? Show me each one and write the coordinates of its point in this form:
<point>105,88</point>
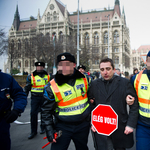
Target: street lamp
<point>108,34</point>
<point>78,38</point>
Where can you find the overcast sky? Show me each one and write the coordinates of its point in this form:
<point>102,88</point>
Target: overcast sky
<point>136,11</point>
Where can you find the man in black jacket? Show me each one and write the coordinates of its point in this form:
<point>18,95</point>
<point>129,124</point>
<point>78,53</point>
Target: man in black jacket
<point>114,91</point>
<point>65,99</point>
<point>35,83</point>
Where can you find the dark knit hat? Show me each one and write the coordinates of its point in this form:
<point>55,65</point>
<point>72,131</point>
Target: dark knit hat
<point>65,57</point>
<point>40,64</point>
<point>148,54</point>
<point>81,66</point>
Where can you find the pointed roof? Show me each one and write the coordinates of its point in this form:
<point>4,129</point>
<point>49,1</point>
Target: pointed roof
<point>117,7</point>
<point>123,10</point>
<point>61,6</point>
<point>16,13</point>
<point>117,2</point>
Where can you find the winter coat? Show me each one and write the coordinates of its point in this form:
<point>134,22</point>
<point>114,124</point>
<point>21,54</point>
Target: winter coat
<point>115,96</point>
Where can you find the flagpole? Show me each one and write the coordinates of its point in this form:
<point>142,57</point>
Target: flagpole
<point>54,67</point>
<point>78,38</point>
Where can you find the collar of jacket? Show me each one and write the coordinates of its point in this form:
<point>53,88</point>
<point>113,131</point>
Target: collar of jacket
<point>61,79</point>
<point>105,81</point>
<point>40,73</point>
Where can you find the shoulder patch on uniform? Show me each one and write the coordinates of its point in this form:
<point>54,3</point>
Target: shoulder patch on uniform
<point>66,93</point>
<point>79,86</point>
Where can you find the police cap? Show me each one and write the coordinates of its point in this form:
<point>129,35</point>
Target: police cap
<point>40,64</point>
<point>65,57</point>
<point>81,66</point>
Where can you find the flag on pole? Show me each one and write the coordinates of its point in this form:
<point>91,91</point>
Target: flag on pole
<point>54,37</point>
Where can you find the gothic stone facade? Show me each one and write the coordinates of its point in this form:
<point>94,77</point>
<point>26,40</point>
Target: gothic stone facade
<point>99,29</point>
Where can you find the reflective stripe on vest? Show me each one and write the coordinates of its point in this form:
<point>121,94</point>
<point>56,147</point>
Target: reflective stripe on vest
<point>142,86</point>
<point>69,99</point>
<point>39,86</point>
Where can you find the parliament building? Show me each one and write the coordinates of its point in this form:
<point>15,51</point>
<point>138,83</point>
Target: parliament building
<point>103,31</point>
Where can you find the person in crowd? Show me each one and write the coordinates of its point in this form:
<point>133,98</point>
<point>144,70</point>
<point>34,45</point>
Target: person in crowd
<point>119,72</point>
<point>135,71</point>
<point>82,69</point>
<point>35,83</point>
<point>141,83</point>
<point>115,91</point>
<point>66,105</point>
<point>12,103</point>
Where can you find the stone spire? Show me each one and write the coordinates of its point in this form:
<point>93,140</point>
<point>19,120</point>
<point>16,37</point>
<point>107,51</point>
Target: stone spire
<point>117,2</point>
<point>117,7</point>
<point>16,21</point>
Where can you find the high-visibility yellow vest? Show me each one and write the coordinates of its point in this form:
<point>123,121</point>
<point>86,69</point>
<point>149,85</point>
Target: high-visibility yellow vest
<point>38,83</point>
<point>142,87</point>
<point>71,100</point>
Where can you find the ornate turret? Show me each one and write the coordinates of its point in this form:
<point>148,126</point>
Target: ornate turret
<point>117,2</point>
<point>38,16</point>
<point>117,7</point>
<point>16,21</point>
<point>123,15</point>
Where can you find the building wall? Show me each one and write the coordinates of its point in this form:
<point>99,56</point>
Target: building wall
<point>57,20</point>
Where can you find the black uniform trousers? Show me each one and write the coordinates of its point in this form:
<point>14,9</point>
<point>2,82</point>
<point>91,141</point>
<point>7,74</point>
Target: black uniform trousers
<point>36,103</point>
<point>76,132</point>
<point>5,142</point>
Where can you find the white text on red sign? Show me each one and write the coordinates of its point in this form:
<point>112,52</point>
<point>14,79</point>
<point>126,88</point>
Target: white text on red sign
<point>106,120</point>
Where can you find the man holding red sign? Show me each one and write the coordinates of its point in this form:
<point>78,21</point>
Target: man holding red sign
<point>113,91</point>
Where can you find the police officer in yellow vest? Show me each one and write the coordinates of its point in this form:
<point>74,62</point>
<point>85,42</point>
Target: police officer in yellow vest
<point>141,83</point>
<point>65,99</point>
<point>35,83</point>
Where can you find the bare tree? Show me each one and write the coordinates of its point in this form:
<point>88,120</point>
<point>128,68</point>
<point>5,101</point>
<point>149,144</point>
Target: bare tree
<point>3,42</point>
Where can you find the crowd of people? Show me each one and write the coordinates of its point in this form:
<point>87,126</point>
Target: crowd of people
<point>65,102</point>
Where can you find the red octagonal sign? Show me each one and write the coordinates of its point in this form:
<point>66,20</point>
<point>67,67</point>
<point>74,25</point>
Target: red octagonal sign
<point>104,119</point>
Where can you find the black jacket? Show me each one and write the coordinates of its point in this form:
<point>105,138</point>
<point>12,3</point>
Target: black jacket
<point>115,95</point>
<point>49,105</point>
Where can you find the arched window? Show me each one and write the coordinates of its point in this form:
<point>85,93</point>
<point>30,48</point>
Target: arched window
<point>116,62</point>
<point>96,62</point>
<point>19,64</point>
<point>47,38</point>
<point>55,16</point>
<point>106,37</point>
<point>48,17</point>
<point>96,38</point>
<point>87,39</point>
<point>60,37</point>
<point>19,44</point>
<point>26,44</point>
<point>116,37</point>
<point>26,63</point>
<point>12,45</point>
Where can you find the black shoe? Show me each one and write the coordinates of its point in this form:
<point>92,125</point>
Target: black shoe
<point>42,131</point>
<point>32,135</point>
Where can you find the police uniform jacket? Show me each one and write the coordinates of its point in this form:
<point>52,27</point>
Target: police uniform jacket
<point>49,106</point>
<point>28,86</point>
<point>142,120</point>
<point>10,91</point>
<point>114,93</point>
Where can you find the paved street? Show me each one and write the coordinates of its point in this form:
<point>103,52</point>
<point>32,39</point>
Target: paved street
<point>20,132</point>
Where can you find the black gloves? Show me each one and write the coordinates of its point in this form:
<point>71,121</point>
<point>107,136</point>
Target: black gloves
<point>11,116</point>
<point>50,133</point>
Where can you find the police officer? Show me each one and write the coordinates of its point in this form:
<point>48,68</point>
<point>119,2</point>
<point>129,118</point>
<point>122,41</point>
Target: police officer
<point>82,69</point>
<point>35,83</point>
<point>10,93</point>
<point>65,99</point>
<point>141,83</point>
